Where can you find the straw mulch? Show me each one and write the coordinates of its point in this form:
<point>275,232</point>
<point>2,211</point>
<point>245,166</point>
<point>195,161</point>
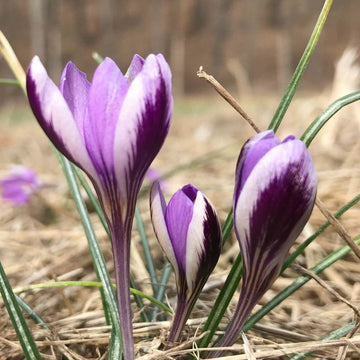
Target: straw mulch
<point>43,241</point>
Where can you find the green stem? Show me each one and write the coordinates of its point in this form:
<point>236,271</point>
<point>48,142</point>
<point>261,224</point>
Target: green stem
<point>102,274</point>
<point>54,284</point>
<point>336,334</point>
<point>11,82</point>
<point>101,216</point>
<point>321,229</point>
<point>165,276</point>
<point>147,252</point>
<point>222,302</point>
<point>300,69</point>
<point>298,283</point>
<point>26,340</point>
<point>323,118</point>
<point>229,223</point>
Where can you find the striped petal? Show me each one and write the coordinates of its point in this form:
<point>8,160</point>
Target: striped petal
<point>157,210</point>
<point>274,195</point>
<point>189,232</point>
<point>252,152</point>
<point>203,245</point>
<point>55,117</point>
<point>274,204</point>
<point>143,124</point>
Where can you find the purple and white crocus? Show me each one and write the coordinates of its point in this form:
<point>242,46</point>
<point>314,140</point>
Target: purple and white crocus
<point>19,185</point>
<point>188,230</point>
<point>275,189</point>
<point>112,128</point>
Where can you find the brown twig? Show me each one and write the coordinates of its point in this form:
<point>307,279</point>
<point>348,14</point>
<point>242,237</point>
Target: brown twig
<point>227,96</point>
<point>343,350</point>
<point>338,226</point>
<point>328,288</point>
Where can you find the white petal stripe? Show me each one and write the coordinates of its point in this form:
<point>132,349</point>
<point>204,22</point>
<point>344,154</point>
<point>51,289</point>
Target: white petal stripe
<point>195,241</point>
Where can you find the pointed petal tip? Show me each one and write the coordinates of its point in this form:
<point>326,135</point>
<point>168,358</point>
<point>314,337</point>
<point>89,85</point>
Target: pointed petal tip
<point>190,191</point>
<point>35,69</point>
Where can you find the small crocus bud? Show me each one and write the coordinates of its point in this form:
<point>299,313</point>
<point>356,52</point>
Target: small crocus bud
<point>188,230</point>
<point>19,185</point>
<point>112,128</point>
<point>275,189</point>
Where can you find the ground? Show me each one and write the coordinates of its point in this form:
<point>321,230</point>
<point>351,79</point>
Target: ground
<point>44,240</point>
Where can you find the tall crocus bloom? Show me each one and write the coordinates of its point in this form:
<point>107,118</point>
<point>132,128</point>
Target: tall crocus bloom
<point>112,128</point>
<point>19,185</point>
<point>188,230</point>
<point>274,194</point>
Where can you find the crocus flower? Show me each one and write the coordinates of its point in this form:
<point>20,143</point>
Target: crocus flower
<point>154,175</point>
<point>112,128</point>
<point>188,230</point>
<point>274,194</point>
<point>19,185</point>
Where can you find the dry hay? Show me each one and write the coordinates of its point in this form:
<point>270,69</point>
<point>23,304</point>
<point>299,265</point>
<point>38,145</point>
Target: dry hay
<point>44,241</point>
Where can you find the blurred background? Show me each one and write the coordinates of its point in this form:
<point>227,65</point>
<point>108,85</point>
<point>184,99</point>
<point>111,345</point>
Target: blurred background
<point>248,45</point>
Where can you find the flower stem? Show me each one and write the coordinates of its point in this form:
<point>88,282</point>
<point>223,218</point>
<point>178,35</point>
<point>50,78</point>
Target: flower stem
<point>120,239</point>
<point>241,314</point>
<point>182,313</point>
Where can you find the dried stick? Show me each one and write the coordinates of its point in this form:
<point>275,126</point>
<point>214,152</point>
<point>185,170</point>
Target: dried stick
<point>227,96</point>
<point>339,228</point>
<point>343,350</point>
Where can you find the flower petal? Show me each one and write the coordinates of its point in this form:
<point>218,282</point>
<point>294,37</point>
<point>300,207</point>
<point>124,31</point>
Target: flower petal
<point>178,216</point>
<point>274,204</point>
<point>75,90</point>
<point>135,67</point>
<point>203,244</point>
<point>18,186</point>
<point>253,150</point>
<point>143,124</point>
<point>106,95</point>
<point>157,210</point>
<point>55,117</point>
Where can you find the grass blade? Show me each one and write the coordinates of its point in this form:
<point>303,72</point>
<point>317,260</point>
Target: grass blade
<point>30,312</point>
<point>108,295</point>
<point>228,225</point>
<point>138,301</point>
<point>321,229</point>
<point>27,342</point>
<point>147,252</point>
<point>337,334</point>
<point>323,118</point>
<point>227,291</point>
<point>101,216</point>
<point>11,82</point>
<point>92,199</point>
<point>165,276</point>
<point>234,276</point>
<point>300,69</point>
<point>222,302</point>
<point>56,284</point>
<point>298,283</point>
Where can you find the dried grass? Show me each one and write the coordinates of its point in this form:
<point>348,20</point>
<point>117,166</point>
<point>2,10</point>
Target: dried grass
<point>44,241</point>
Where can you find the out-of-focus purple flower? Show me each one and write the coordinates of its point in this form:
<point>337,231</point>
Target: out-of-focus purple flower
<point>112,128</point>
<point>154,175</point>
<point>188,230</point>
<point>275,189</point>
<point>19,185</point>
